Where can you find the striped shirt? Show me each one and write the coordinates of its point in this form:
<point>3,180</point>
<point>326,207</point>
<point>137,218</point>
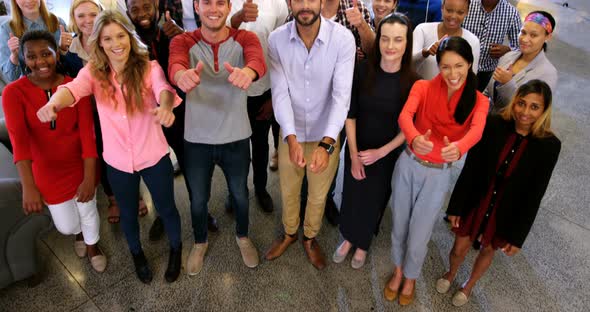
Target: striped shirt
<point>493,27</point>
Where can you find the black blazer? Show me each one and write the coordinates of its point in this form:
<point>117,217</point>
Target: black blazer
<point>524,189</point>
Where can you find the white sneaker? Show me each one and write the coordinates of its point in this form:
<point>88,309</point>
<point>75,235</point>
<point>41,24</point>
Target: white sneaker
<point>194,263</point>
<point>248,251</point>
<point>460,299</point>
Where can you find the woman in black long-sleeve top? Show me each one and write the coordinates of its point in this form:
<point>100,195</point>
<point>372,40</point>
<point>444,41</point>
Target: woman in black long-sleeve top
<point>498,194</point>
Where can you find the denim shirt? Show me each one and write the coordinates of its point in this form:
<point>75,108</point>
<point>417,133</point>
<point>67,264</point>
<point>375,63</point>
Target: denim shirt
<point>10,71</point>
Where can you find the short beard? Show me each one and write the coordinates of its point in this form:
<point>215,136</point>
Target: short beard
<point>303,23</point>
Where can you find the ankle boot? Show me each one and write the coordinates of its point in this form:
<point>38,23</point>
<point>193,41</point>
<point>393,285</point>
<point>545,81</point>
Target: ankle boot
<point>142,268</point>
<point>174,264</point>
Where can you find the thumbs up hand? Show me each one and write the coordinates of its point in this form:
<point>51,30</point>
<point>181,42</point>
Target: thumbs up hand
<point>354,15</point>
<point>422,144</point>
<point>14,46</point>
<point>164,116</point>
<point>433,47</point>
<point>240,77</point>
<point>189,79</point>
<point>65,39</point>
<point>249,11</point>
<point>451,151</point>
<point>170,28</point>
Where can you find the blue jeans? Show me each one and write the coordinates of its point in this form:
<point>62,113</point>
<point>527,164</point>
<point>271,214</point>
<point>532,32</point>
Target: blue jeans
<point>234,159</point>
<point>159,180</point>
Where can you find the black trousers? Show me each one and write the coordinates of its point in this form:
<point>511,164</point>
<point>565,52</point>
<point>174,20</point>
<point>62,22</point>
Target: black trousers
<point>259,140</point>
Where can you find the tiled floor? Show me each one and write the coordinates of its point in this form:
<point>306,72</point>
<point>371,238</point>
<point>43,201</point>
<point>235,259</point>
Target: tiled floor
<point>550,274</point>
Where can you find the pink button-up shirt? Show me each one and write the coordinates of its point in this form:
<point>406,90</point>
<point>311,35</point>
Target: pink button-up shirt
<point>132,142</point>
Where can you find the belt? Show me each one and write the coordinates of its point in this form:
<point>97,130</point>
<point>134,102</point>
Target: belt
<point>426,163</point>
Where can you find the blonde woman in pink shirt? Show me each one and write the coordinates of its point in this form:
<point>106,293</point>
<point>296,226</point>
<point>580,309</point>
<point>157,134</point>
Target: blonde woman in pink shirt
<point>133,99</point>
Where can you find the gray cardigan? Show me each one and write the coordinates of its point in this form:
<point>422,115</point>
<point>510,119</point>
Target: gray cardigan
<point>539,68</point>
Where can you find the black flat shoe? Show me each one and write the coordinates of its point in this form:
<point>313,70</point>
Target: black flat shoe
<point>174,264</point>
<point>142,268</point>
<point>265,201</point>
<point>212,224</point>
<point>157,230</point>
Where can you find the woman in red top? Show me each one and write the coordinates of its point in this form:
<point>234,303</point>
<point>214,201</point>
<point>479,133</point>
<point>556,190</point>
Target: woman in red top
<point>442,119</point>
<point>56,162</point>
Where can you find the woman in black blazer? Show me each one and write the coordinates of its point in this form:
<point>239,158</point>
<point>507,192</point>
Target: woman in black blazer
<point>505,176</point>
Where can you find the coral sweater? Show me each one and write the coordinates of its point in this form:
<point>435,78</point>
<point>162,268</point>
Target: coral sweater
<point>427,107</point>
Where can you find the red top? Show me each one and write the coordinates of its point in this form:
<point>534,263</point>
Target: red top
<point>427,107</point>
<point>57,155</point>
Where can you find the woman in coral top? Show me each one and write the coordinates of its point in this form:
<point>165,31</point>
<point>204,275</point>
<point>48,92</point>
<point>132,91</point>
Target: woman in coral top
<point>128,88</point>
<point>56,162</point>
<point>441,120</point>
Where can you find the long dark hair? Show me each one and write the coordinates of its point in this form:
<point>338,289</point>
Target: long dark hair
<point>469,95</point>
<point>407,74</point>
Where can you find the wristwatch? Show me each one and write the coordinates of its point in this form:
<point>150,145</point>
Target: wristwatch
<point>329,147</point>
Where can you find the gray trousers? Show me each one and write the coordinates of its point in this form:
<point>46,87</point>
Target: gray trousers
<point>417,195</point>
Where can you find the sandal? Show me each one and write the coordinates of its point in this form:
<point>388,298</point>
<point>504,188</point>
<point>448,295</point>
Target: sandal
<point>143,211</point>
<point>114,213</point>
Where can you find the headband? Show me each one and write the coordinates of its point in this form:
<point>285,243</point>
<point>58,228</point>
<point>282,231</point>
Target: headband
<point>540,19</point>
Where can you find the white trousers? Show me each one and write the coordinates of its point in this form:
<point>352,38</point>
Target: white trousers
<point>72,217</point>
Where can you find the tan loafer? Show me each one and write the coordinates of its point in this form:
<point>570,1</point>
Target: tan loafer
<point>405,300</point>
<point>194,263</point>
<point>248,251</point>
<point>389,294</point>
<point>99,263</point>
<point>80,248</point>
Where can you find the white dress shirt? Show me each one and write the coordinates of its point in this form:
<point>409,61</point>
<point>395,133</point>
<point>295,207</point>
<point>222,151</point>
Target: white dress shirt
<point>311,89</point>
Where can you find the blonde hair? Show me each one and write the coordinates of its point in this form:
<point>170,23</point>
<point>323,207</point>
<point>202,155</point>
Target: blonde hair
<point>135,69</point>
<point>542,127</point>
<point>75,4</point>
<point>17,22</point>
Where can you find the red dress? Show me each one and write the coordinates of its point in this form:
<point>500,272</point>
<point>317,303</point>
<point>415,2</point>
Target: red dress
<point>57,155</point>
<point>480,224</point>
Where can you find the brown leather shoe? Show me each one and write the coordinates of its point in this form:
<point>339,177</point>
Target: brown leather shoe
<point>314,253</point>
<point>279,246</point>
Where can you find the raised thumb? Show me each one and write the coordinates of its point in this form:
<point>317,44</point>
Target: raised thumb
<point>62,29</point>
<point>427,135</point>
<point>228,67</point>
<point>199,67</point>
<point>446,141</point>
<point>167,17</point>
<point>11,35</point>
<point>249,1</point>
<point>354,3</point>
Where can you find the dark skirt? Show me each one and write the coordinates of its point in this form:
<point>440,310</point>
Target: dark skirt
<point>364,201</point>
